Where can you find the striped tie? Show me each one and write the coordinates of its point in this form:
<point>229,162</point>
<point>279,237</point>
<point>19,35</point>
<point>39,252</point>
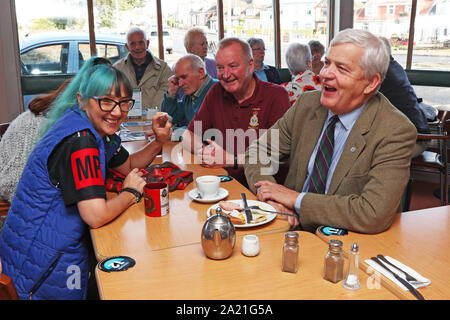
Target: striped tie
<point>322,162</point>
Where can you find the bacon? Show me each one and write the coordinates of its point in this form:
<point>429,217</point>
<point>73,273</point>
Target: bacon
<point>229,206</point>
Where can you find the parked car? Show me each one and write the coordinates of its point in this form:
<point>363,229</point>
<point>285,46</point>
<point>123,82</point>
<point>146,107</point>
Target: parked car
<point>48,59</point>
<point>167,41</point>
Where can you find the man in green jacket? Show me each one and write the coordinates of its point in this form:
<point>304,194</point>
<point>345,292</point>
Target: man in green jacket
<point>348,147</point>
<point>146,72</point>
<point>191,76</point>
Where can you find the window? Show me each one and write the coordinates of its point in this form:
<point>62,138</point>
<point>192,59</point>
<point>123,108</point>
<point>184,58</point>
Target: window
<point>310,24</point>
<point>180,15</point>
<point>431,46</point>
<point>431,43</point>
<point>45,60</point>
<point>391,9</point>
<point>111,51</point>
<point>43,28</point>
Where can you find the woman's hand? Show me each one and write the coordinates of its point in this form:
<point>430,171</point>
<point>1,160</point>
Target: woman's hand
<point>134,180</point>
<point>96,212</point>
<point>161,127</point>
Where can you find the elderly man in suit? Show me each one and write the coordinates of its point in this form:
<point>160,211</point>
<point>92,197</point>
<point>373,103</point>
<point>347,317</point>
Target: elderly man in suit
<point>349,148</point>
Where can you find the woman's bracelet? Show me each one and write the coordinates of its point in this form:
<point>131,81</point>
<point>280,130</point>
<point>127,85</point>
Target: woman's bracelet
<point>133,191</point>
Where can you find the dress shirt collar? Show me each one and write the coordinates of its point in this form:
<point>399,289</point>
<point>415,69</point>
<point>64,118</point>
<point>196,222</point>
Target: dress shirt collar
<point>348,119</point>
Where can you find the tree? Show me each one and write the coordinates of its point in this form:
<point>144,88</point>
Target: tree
<point>106,9</point>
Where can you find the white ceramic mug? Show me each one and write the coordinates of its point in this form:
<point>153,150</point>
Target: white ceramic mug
<point>208,186</point>
<point>250,245</point>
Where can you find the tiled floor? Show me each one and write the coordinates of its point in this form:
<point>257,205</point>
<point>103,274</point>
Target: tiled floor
<point>422,195</point>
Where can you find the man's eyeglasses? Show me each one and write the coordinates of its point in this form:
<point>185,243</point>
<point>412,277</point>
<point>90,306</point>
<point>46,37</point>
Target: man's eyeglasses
<point>108,105</point>
<point>258,49</point>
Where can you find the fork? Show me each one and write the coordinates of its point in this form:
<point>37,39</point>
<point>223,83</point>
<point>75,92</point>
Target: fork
<point>409,277</point>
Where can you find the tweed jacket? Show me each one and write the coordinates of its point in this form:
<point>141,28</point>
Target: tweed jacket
<point>153,84</point>
<point>370,177</point>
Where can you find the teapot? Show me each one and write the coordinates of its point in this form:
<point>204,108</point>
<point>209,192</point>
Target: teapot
<point>218,236</point>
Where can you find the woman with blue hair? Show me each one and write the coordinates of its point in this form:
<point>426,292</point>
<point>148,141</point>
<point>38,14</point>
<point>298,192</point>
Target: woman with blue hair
<point>45,245</point>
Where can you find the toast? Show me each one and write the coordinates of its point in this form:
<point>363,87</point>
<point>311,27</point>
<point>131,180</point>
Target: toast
<point>236,220</point>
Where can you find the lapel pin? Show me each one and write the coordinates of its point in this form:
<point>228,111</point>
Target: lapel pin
<point>352,149</point>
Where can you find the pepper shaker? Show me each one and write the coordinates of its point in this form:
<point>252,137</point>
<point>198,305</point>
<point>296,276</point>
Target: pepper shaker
<point>290,252</point>
<point>334,262</point>
<point>351,282</point>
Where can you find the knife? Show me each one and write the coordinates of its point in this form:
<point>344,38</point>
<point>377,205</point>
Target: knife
<point>248,212</point>
<point>407,275</point>
<point>403,281</point>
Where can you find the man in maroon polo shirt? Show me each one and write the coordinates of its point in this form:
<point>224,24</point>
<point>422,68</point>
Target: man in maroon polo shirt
<point>236,111</point>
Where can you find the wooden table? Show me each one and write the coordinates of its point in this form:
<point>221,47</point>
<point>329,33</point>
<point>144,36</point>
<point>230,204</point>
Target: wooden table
<point>184,272</point>
<point>419,239</point>
<point>134,232</point>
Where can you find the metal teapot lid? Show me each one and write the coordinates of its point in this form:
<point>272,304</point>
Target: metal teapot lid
<point>219,218</point>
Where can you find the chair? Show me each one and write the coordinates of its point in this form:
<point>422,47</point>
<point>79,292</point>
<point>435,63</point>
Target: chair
<point>436,156</point>
<point>4,205</point>
<point>7,288</point>
<point>3,127</point>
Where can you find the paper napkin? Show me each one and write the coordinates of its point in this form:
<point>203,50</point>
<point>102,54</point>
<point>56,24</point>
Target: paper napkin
<point>412,272</point>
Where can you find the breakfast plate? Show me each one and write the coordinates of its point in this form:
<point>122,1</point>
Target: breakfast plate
<point>221,194</point>
<point>262,205</point>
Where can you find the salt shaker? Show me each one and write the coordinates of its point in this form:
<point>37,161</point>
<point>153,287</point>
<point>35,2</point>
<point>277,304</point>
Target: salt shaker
<point>351,282</point>
<point>334,262</point>
<point>290,252</point>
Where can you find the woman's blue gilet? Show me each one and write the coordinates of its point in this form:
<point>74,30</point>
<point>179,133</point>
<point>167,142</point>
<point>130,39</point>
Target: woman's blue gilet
<point>44,244</point>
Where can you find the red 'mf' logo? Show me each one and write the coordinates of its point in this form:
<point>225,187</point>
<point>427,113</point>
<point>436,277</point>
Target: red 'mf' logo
<point>86,168</point>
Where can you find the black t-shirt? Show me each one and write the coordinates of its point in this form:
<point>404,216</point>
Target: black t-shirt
<point>74,167</point>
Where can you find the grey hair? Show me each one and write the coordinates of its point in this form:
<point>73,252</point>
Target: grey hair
<point>190,34</point>
<point>134,30</point>
<point>253,41</point>
<point>195,61</point>
<point>387,43</point>
<point>316,46</point>
<point>297,57</point>
<point>246,50</point>
<point>375,58</point>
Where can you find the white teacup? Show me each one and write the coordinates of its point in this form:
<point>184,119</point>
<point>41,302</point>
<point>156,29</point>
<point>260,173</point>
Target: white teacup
<point>250,245</point>
<point>208,186</point>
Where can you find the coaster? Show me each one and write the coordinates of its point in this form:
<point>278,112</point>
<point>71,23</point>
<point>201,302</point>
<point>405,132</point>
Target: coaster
<point>330,231</point>
<point>224,178</point>
<point>119,263</point>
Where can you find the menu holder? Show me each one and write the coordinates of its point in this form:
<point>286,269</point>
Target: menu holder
<point>136,111</point>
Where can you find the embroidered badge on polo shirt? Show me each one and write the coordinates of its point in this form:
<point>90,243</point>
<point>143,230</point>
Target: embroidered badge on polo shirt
<point>254,121</point>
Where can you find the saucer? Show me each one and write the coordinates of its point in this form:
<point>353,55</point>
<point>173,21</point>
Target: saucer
<point>221,194</point>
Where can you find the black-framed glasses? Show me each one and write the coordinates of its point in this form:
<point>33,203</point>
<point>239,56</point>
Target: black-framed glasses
<point>108,105</point>
<point>259,49</point>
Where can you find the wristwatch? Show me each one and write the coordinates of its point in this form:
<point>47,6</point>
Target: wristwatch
<point>133,191</point>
